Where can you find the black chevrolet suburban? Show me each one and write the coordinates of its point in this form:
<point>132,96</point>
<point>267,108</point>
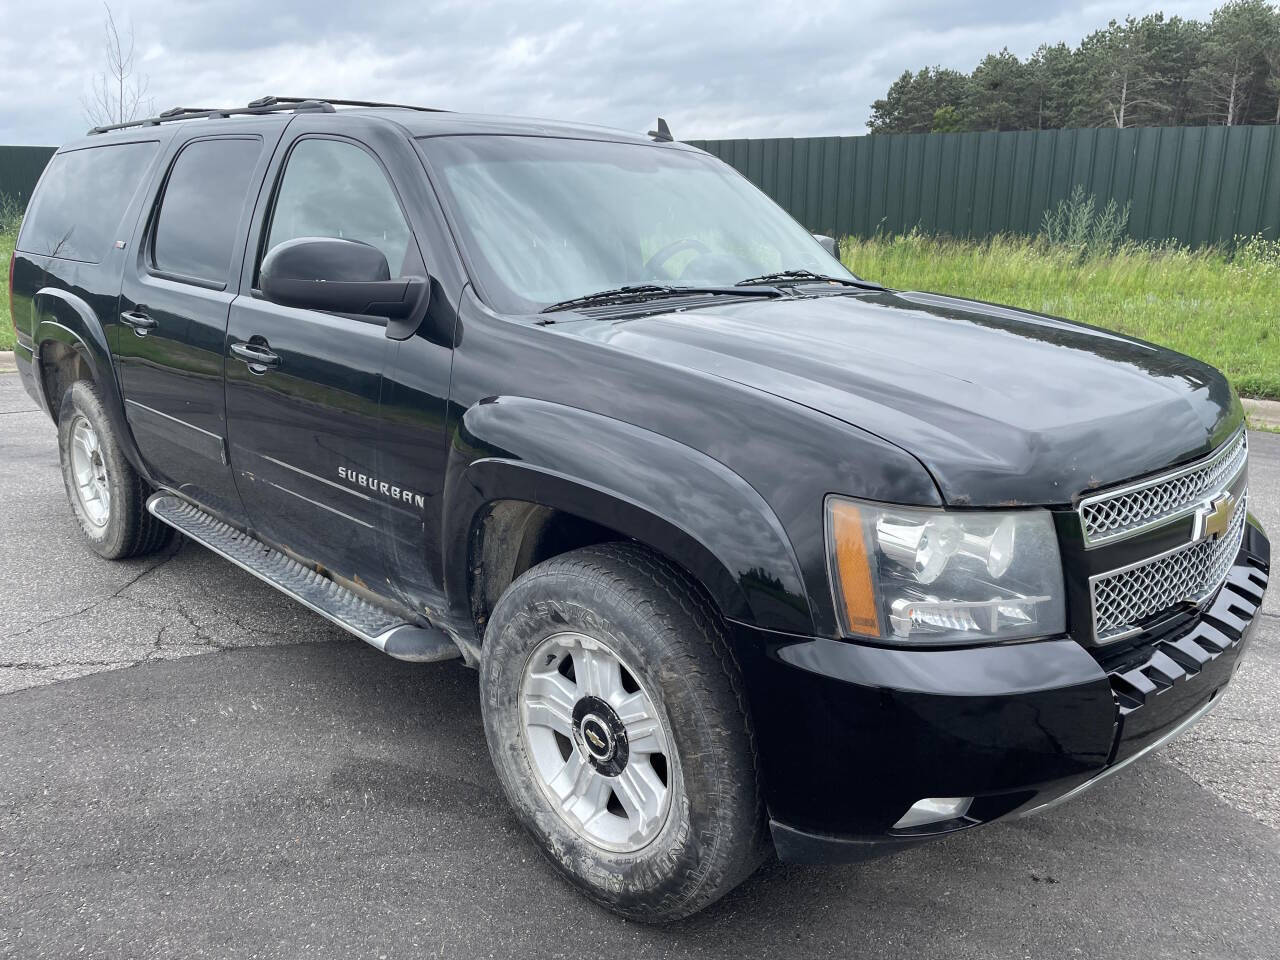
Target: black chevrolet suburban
<point>753,555</point>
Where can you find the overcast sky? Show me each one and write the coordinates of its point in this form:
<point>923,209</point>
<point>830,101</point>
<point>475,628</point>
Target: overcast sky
<point>713,68</point>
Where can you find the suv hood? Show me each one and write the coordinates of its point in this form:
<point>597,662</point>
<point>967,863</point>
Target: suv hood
<point>1001,406</point>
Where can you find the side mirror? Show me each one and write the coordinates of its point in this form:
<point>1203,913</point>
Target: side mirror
<point>340,276</point>
<point>829,244</point>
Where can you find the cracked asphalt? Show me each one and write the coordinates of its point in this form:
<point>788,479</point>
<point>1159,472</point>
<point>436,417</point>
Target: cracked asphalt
<point>68,613</point>
<point>193,766</point>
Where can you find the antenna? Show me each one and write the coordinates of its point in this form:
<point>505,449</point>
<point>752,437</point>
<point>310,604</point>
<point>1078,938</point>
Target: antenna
<point>663,133</point>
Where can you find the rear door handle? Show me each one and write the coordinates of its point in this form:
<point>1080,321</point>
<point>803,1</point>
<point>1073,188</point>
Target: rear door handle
<point>140,322</point>
<point>257,355</point>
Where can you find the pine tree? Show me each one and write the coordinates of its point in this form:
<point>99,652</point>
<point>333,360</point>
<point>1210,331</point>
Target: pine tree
<point>1232,73</point>
<point>1126,90</point>
<point>1173,47</point>
<point>1273,68</point>
<point>998,95</point>
<point>1054,85</point>
<point>914,98</point>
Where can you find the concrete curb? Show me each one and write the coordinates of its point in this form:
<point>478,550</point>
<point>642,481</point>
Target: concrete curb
<point>6,362</point>
<point>1264,413</point>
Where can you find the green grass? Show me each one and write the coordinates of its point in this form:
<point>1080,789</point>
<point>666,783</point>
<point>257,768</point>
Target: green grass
<point>7,239</point>
<point>1223,309</point>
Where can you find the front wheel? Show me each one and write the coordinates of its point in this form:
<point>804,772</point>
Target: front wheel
<point>615,718</point>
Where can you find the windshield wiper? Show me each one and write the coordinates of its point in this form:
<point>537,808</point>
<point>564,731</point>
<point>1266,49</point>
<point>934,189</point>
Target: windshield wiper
<point>801,276</point>
<point>639,292</point>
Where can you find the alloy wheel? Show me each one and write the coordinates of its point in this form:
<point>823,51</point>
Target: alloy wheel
<point>601,751</point>
<point>89,471</point>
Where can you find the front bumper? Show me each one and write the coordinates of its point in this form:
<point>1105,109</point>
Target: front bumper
<point>850,736</point>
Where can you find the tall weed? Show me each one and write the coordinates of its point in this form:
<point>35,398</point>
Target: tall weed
<point>10,215</point>
<point>1078,226</point>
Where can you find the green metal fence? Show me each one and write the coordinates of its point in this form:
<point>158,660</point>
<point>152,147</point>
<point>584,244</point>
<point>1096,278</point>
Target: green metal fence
<point>1197,185</point>
<point>20,168</point>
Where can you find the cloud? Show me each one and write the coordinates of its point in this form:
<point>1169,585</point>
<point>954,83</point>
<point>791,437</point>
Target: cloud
<point>713,69</point>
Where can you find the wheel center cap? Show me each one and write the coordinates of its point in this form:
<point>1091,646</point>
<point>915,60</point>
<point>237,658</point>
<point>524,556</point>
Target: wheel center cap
<point>596,737</point>
<point>600,736</point>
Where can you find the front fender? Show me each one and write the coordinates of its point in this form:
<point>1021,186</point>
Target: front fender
<point>675,499</point>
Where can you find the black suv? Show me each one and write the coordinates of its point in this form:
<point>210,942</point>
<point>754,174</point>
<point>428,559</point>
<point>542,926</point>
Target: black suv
<point>752,555</point>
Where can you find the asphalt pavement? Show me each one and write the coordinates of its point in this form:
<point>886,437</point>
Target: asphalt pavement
<point>193,766</point>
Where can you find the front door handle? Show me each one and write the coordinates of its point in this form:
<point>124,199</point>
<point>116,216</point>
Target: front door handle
<point>257,355</point>
<point>140,322</point>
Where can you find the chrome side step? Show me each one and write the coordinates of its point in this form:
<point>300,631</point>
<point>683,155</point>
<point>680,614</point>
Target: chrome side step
<point>375,626</point>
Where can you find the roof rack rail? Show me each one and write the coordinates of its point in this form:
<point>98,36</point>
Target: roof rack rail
<point>263,105</point>
<point>285,101</point>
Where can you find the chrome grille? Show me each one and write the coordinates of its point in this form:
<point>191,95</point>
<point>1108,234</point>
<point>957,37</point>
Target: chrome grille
<point>1192,573</point>
<point>1134,508</point>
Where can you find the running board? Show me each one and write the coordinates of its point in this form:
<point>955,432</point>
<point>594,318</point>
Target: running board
<point>375,626</point>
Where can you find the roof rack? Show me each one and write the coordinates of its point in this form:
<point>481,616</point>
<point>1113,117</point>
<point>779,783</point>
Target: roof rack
<point>284,102</point>
<point>263,105</point>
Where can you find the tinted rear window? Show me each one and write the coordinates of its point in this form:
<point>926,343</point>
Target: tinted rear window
<point>203,200</point>
<point>75,214</point>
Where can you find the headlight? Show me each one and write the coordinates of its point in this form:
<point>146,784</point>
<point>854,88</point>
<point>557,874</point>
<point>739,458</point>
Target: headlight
<point>912,575</point>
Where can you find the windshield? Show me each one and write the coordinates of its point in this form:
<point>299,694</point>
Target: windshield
<point>544,220</point>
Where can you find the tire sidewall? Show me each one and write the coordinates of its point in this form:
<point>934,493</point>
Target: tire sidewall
<point>665,874</point>
<point>81,399</point>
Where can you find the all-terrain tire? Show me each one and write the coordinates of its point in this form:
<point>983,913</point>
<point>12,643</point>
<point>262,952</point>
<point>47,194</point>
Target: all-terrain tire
<point>127,530</point>
<point>668,635</point>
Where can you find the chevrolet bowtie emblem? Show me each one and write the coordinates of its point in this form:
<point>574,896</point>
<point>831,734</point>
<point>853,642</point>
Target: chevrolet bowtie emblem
<point>1213,519</point>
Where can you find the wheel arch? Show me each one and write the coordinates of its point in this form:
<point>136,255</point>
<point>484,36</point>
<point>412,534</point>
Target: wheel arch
<point>521,469</point>
<point>70,343</point>
<point>66,331</point>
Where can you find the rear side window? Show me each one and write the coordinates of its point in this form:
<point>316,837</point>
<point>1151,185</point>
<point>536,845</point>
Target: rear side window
<point>204,197</point>
<point>75,214</point>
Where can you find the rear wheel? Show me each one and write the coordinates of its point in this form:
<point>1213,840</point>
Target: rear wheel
<point>108,497</point>
<point>614,716</point>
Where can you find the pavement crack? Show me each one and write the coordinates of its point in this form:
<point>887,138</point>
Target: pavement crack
<point>99,601</point>
<point>282,634</point>
<point>31,665</point>
<point>1219,716</point>
<point>202,635</point>
<point>173,608</point>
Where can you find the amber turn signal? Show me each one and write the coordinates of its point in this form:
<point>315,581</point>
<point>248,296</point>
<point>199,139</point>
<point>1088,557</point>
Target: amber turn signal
<point>855,593</point>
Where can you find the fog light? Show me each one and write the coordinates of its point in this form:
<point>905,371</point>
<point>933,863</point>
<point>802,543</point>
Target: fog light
<point>934,810</point>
